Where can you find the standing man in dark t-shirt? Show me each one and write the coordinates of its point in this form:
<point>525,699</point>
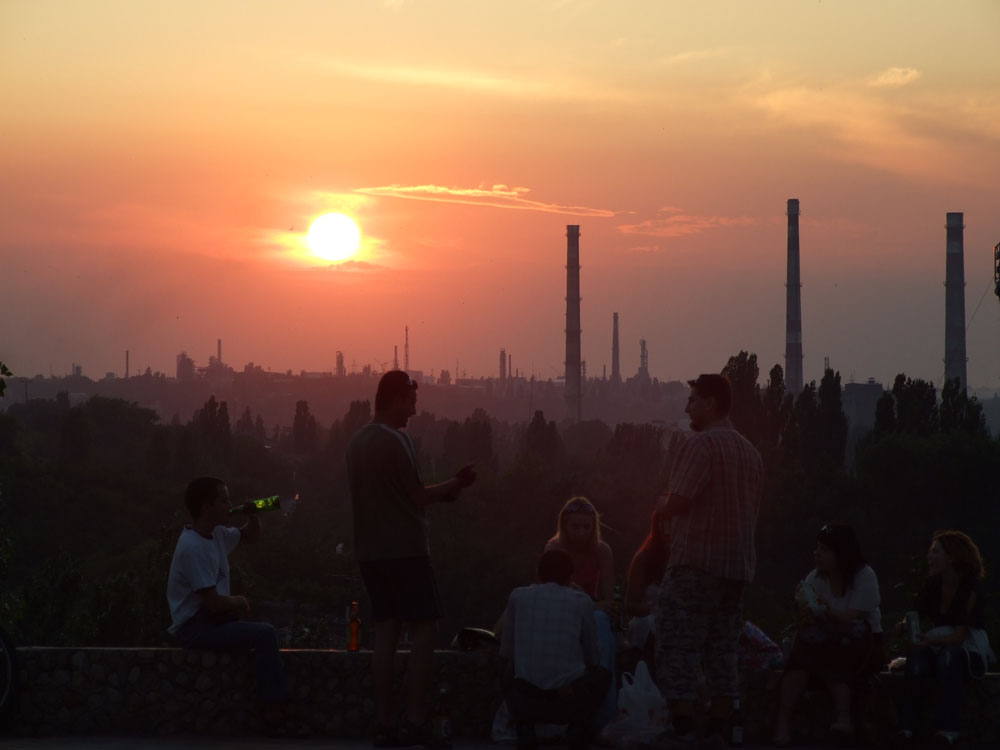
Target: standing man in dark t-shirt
<point>388,498</point>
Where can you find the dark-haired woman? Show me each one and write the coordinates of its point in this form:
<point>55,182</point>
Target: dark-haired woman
<point>840,636</point>
<point>952,601</point>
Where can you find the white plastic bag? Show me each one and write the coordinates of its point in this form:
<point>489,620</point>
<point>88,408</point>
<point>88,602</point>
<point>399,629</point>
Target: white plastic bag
<point>642,711</point>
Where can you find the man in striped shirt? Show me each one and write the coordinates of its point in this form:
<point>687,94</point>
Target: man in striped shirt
<point>712,507</point>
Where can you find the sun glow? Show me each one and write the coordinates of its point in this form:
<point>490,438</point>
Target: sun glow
<point>334,237</point>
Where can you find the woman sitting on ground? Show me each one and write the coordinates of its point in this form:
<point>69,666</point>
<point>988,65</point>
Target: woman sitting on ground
<point>951,600</point>
<point>645,573</point>
<point>840,637</point>
<point>578,532</point>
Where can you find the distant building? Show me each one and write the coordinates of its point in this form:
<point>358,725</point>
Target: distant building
<point>859,401</point>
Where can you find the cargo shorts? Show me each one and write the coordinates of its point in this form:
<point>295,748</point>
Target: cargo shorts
<point>698,619</point>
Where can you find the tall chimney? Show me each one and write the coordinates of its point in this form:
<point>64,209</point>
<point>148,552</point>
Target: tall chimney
<point>395,356</point>
<point>406,351</point>
<point>574,395</point>
<point>793,305</point>
<point>616,375</point>
<point>503,365</point>
<point>126,364</point>
<point>219,355</point>
<point>954,301</point>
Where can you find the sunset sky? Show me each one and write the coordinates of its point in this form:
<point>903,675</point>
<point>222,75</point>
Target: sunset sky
<point>162,162</point>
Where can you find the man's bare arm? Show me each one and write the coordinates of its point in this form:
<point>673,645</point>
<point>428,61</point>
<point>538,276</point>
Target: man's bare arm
<point>444,491</point>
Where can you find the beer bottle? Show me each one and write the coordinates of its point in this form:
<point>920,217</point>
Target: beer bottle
<point>618,622</point>
<point>441,723</point>
<point>736,733</point>
<point>257,506</point>
<point>354,629</point>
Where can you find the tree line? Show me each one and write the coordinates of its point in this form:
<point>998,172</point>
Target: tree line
<point>90,500</point>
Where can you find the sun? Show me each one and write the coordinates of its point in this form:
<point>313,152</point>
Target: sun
<point>334,237</point>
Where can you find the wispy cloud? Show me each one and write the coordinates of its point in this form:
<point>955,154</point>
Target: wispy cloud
<point>677,223</point>
<point>497,196</point>
<point>895,77</point>
<point>692,56</point>
<point>478,81</point>
<point>913,135</point>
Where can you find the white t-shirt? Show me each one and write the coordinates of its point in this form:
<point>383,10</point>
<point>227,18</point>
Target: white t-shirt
<point>863,595</point>
<point>198,563</point>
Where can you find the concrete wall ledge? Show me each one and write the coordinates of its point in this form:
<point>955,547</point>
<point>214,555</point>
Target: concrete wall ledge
<point>164,691</point>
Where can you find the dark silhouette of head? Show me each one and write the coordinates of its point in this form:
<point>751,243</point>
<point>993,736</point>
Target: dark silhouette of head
<point>396,398</point>
<point>710,400</point>
<point>200,492</point>
<point>841,540</point>
<point>555,566</point>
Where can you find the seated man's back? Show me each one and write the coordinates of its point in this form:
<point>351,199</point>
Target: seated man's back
<point>549,634</point>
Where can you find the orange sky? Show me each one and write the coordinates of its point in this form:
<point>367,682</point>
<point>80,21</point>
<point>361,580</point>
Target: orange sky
<point>162,163</point>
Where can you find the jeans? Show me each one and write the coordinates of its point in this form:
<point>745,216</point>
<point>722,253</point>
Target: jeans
<point>259,637</point>
<point>575,703</point>
<point>949,665</point>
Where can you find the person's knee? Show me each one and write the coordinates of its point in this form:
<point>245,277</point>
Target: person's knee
<point>265,636</point>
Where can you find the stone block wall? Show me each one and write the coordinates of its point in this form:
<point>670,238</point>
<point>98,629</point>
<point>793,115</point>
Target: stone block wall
<point>159,691</point>
<point>172,691</point>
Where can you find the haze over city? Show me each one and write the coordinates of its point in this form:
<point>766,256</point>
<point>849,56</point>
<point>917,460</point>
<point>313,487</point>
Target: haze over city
<point>164,163</point>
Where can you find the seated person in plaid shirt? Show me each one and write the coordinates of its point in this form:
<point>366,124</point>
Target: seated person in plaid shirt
<point>551,670</point>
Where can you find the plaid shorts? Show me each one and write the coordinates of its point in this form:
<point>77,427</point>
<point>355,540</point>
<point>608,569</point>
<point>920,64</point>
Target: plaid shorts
<point>698,619</point>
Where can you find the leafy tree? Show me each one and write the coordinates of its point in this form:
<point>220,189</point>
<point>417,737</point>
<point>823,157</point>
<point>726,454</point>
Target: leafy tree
<point>541,444</point>
<point>831,422</point>
<point>959,412</point>
<point>4,374</point>
<point>916,405</point>
<point>776,406</point>
<point>479,438</point>
<point>305,430</point>
<point>742,372</point>
<point>245,424</point>
<point>75,438</point>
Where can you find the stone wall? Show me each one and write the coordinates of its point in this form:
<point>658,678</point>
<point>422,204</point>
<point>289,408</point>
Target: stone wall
<point>171,691</point>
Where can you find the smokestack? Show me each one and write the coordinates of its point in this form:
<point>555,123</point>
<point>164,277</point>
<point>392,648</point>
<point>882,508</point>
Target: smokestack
<point>510,365</point>
<point>219,355</point>
<point>793,305</point>
<point>954,301</point>
<point>395,356</point>
<point>574,395</point>
<point>406,351</point>
<point>503,365</point>
<point>126,364</point>
<point>616,375</point>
